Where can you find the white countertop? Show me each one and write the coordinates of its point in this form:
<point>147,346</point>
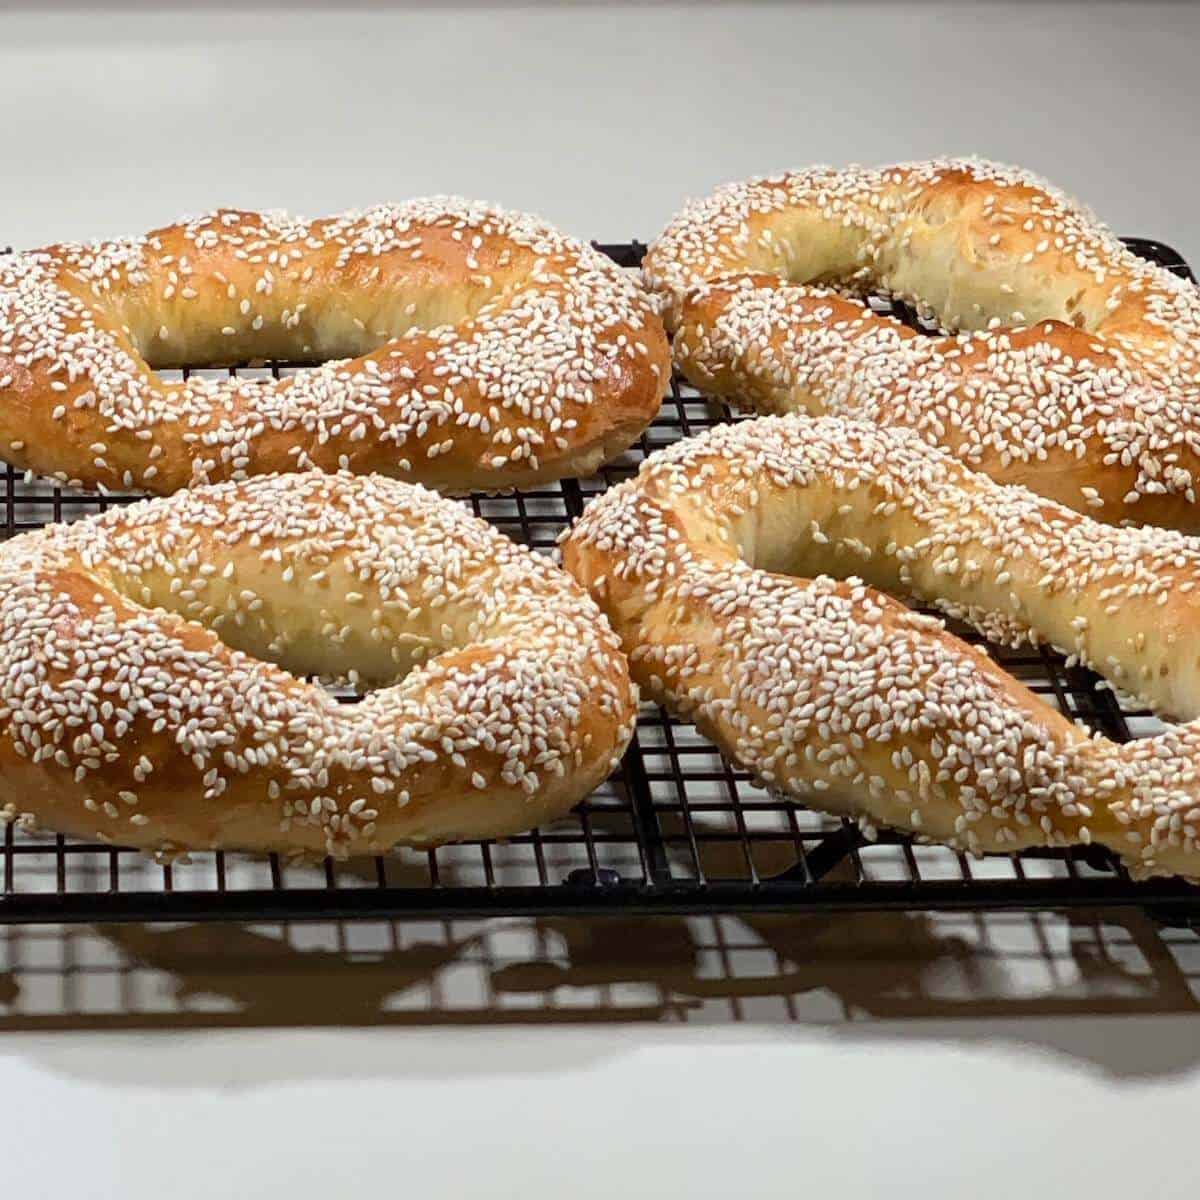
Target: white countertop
<point>700,1058</point>
<point>594,1113</point>
<point>906,1054</point>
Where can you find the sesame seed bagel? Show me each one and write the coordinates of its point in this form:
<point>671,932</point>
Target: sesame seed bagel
<point>149,663</point>
<point>473,349</point>
<point>714,566</point>
<point>1077,371</point>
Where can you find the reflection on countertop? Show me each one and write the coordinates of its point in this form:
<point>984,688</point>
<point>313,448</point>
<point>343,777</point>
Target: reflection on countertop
<point>959,976</point>
<point>966,976</point>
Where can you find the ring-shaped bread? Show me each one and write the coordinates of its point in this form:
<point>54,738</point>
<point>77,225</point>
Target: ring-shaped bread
<point>714,566</point>
<point>460,346</point>
<point>1077,371</point>
<point>151,664</point>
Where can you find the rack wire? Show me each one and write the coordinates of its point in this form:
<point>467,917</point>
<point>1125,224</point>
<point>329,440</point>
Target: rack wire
<point>676,829</point>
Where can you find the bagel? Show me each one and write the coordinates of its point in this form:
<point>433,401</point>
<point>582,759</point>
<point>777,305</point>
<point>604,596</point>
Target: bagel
<point>714,566</point>
<point>149,663</point>
<point>1076,371</point>
<point>474,349</point>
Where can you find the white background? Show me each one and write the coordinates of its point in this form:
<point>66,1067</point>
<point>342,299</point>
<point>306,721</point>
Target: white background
<point>897,1055</point>
<point>602,117</point>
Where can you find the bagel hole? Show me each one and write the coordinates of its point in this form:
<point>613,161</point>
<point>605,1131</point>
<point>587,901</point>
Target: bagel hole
<point>348,689</point>
<point>786,544</point>
<point>292,632</point>
<point>297,323</point>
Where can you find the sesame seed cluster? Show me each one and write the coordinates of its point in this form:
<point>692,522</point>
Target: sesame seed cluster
<point>1076,366</point>
<point>461,346</point>
<point>740,569</point>
<point>152,665</point>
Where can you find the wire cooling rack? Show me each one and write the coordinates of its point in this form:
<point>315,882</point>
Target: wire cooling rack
<point>675,829</point>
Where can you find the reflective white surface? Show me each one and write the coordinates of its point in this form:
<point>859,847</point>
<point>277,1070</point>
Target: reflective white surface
<point>699,1058</point>
<point>602,117</point>
<point>907,1055</point>
<point>500,1113</point>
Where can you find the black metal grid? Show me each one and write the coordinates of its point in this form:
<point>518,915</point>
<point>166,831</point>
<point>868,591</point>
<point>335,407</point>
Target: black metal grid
<point>675,829</point>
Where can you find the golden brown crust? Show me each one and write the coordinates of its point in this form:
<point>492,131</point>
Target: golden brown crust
<point>713,566</point>
<point>141,704</point>
<point>475,349</point>
<point>1081,380</point>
